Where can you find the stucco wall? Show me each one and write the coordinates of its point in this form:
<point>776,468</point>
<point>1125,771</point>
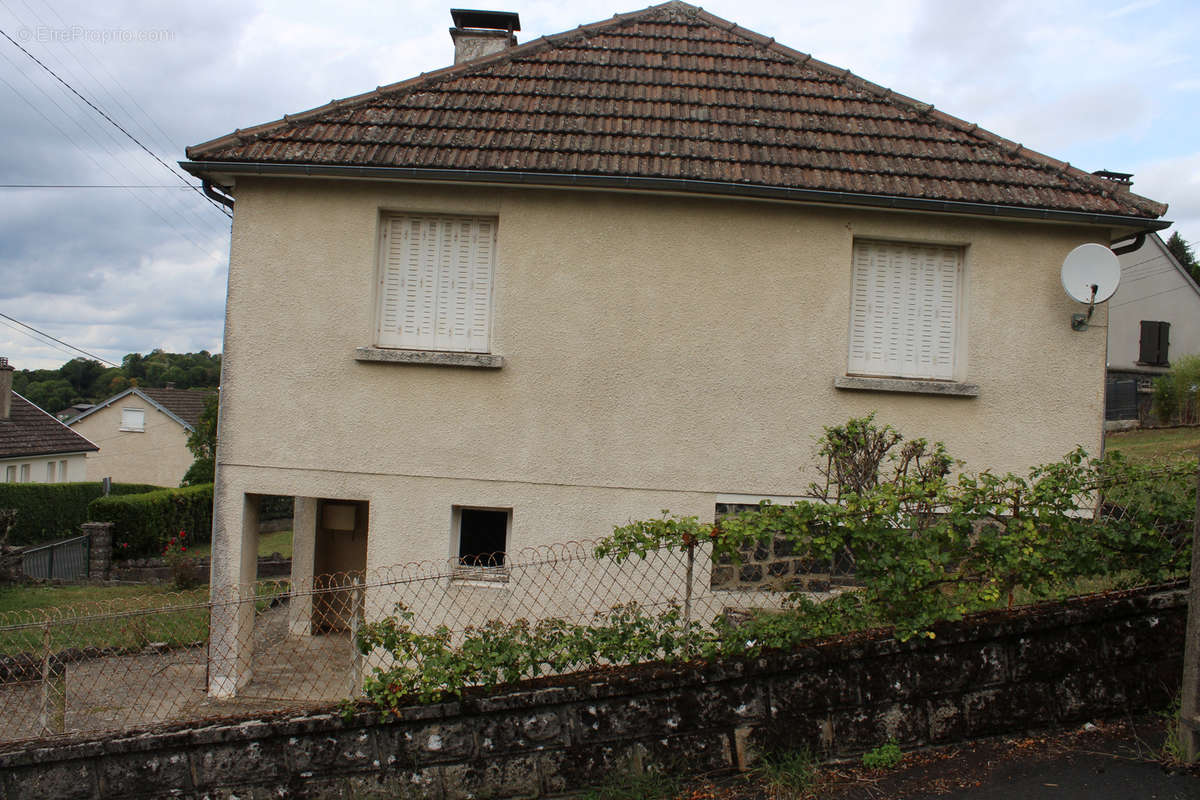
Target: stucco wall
<point>158,455</point>
<point>76,467</point>
<point>1152,289</point>
<point>658,352</point>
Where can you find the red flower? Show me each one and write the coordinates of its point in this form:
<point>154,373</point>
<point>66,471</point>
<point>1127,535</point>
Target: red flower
<point>182,549</point>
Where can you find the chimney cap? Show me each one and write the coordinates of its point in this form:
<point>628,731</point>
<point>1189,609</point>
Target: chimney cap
<point>486,20</point>
<point>4,363</point>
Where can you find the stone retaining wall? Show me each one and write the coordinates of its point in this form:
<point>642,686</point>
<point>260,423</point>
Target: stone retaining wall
<point>992,674</point>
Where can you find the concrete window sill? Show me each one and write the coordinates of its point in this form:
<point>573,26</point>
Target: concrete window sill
<point>429,358</point>
<point>906,385</point>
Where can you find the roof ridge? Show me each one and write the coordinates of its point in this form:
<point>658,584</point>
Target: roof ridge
<point>242,135</point>
<point>886,94</point>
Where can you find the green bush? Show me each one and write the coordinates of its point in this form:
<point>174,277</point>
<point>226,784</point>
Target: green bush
<point>50,511</point>
<point>143,523</point>
<point>1177,394</point>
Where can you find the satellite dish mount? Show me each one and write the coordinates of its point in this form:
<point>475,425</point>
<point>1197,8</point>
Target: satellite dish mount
<point>1090,274</point>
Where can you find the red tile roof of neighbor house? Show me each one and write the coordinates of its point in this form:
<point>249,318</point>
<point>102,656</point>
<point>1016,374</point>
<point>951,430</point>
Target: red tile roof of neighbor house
<point>187,404</point>
<point>673,92</point>
<point>29,431</point>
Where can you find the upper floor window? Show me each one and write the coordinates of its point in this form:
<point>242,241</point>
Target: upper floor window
<point>905,310</point>
<point>133,419</point>
<point>435,282</point>
<point>1156,338</point>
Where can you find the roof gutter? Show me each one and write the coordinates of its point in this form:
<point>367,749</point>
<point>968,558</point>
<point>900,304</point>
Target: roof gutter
<point>213,194</point>
<point>202,169</point>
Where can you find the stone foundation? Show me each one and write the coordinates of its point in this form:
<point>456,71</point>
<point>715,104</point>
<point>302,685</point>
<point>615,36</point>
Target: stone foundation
<point>995,673</point>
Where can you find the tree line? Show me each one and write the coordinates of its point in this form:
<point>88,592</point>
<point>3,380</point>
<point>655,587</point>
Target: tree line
<point>84,380</point>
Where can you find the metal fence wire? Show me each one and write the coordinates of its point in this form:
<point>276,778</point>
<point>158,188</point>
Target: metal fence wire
<point>147,660</point>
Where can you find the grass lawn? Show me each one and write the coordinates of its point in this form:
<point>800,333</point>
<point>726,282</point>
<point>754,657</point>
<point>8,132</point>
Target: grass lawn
<point>268,543</point>
<point>1163,444</point>
<point>114,620</point>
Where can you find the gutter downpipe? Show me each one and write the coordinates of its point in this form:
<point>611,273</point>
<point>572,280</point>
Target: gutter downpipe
<point>213,194</point>
<point>1139,239</point>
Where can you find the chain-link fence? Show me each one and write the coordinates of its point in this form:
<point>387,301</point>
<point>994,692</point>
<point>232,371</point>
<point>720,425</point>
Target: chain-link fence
<point>149,659</point>
<point>142,661</point>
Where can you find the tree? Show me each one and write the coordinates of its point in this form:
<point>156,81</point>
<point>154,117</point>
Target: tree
<point>1184,255</point>
<point>203,443</point>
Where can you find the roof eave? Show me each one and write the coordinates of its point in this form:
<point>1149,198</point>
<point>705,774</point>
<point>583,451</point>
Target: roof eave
<point>224,173</point>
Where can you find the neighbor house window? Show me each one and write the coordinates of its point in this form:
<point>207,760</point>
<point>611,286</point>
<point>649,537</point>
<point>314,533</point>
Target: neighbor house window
<point>25,473</point>
<point>1156,337</point>
<point>10,474</point>
<point>133,419</point>
<point>49,472</point>
<point>482,535</point>
<point>62,471</point>
<point>905,310</point>
<point>435,284</point>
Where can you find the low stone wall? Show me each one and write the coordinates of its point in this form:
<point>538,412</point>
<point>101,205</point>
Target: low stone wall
<point>155,570</point>
<point>994,673</point>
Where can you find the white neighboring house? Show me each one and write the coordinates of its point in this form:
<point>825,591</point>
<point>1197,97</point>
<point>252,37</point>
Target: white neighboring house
<point>143,434</point>
<point>1153,319</point>
<point>34,446</point>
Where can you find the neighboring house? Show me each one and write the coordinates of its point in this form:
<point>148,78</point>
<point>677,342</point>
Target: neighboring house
<point>630,267</point>
<point>34,446</point>
<point>72,411</point>
<point>142,434</point>
<point>1153,318</point>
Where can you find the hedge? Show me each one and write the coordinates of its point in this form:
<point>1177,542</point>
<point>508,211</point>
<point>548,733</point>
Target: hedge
<point>143,522</point>
<point>50,511</point>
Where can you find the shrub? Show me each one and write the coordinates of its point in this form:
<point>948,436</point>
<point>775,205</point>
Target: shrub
<point>49,511</point>
<point>1177,394</point>
<point>185,568</point>
<point>143,523</point>
<point>886,756</point>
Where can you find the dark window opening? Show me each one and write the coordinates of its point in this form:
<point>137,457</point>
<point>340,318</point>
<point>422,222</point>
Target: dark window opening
<point>482,537</point>
<point>1156,339</point>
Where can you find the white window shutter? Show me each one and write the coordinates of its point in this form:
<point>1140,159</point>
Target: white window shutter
<point>435,283</point>
<point>904,310</point>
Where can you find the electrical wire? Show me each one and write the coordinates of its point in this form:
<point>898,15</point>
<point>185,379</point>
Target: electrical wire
<point>60,341</point>
<point>113,122</point>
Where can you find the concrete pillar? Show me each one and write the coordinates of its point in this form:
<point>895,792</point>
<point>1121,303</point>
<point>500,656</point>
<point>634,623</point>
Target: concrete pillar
<point>234,567</point>
<point>99,548</point>
<point>304,549</point>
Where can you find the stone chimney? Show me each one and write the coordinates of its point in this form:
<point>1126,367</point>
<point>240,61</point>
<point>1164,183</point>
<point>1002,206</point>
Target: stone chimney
<point>481,33</point>
<point>6,372</point>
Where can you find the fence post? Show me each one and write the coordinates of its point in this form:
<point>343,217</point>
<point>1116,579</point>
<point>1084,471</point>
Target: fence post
<point>687,594</point>
<point>1189,708</point>
<point>99,548</point>
<point>54,687</point>
<point>356,657</point>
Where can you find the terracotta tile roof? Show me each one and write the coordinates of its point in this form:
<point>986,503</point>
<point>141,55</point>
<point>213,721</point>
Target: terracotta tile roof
<point>187,404</point>
<point>673,92</point>
<point>29,431</point>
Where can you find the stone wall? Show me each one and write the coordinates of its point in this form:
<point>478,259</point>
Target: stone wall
<point>994,673</point>
<point>771,565</point>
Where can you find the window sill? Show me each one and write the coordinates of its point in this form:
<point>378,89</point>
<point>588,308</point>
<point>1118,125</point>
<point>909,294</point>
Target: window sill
<point>132,430</point>
<point>429,358</point>
<point>480,576</point>
<point>906,385</point>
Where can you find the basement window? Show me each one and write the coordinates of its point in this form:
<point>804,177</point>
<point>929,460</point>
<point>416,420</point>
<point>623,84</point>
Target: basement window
<point>482,539</point>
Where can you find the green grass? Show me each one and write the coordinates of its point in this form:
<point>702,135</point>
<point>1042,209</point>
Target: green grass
<point>115,617</point>
<point>1162,444</point>
<point>268,544</point>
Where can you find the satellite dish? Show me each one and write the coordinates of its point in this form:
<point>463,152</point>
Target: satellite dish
<point>1091,273</point>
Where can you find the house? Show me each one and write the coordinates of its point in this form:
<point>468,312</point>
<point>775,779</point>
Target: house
<point>142,434</point>
<point>1153,318</point>
<point>638,265</point>
<point>34,446</point>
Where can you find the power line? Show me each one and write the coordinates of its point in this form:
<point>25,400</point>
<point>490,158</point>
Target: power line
<point>113,122</point>
<point>60,341</point>
<point>43,342</point>
<point>88,185</point>
<point>92,158</point>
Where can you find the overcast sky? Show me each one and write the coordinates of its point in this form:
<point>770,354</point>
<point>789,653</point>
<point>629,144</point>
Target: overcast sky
<point>1103,85</point>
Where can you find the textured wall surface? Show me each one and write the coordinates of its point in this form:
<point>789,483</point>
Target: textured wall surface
<point>158,455</point>
<point>998,673</point>
<point>657,352</point>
